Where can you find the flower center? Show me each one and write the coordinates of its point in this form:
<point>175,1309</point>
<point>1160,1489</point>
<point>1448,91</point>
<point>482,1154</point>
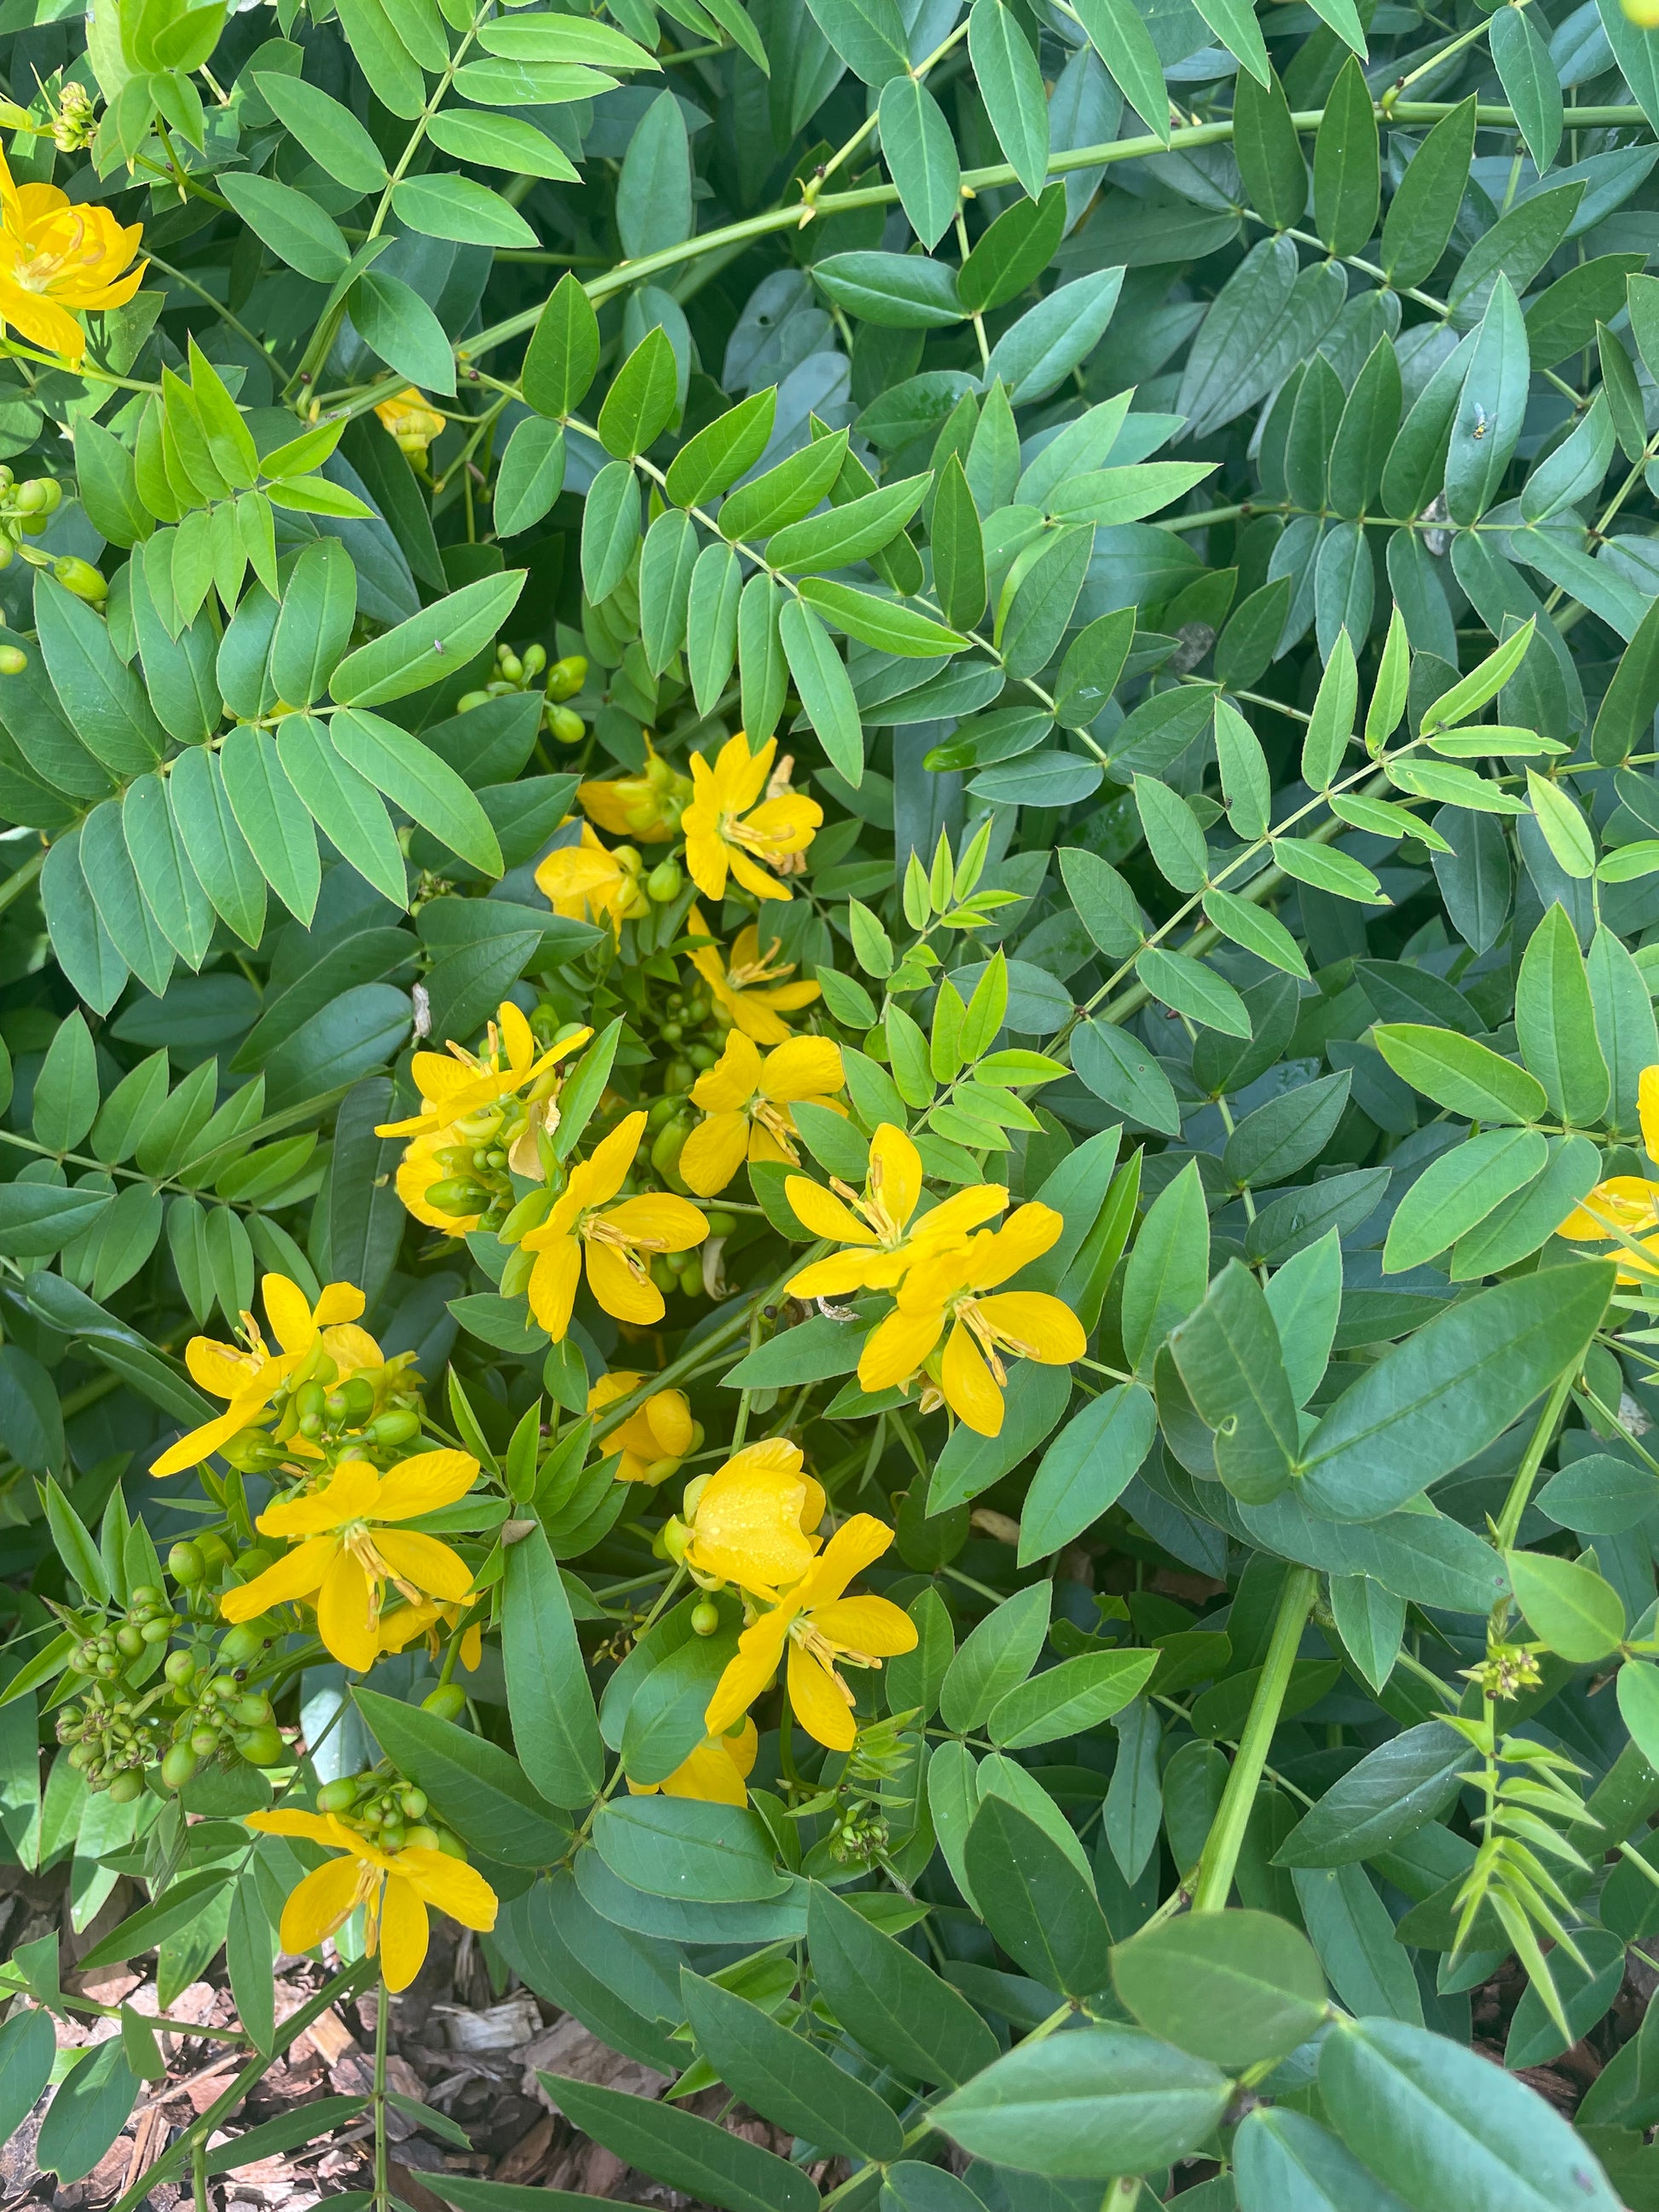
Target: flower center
<point>775,1120</point>
<point>357,1538</point>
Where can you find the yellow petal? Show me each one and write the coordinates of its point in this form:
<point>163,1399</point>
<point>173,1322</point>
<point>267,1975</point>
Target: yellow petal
<point>612,1157</point>
<point>289,1820</point>
<point>896,1347</point>
<point>806,1067</point>
<point>319,1905</point>
<point>711,1773</point>
<point>199,1443</point>
<point>817,1701</point>
<point>553,1282</point>
<point>351,1348</point>
<point>348,1495</point>
<point>895,1172</point>
<point>970,1388</point>
<point>1626,1202</point>
<point>300,1575</point>
<point>618,1289</point>
<point>403,1933</point>
<point>415,1557</point>
<point>289,1311</point>
<point>1025,1236</point>
<point>835,1278</point>
<point>516,1036</point>
<point>748,1672</point>
<point>345,1618</point>
<point>714,1152</point>
<point>1647,1100</point>
<point>620,1383</point>
<point>853,1546</point>
<point>705,856</point>
<point>660,1222</point>
<point>424,1483</point>
<point>222,1369</point>
<point>962,1211</point>
<point>450,1886</point>
<point>728,1086</point>
<point>755,879</point>
<point>1034,1325</point>
<point>873,1625</point>
<point>667,1414</point>
<point>340,1302</point>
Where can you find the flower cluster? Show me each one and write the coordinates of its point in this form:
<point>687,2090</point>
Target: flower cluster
<point>753,1524</point>
<point>328,1388</point>
<point>481,1121</point>
<point>939,1265</point>
<point>1626,1207</point>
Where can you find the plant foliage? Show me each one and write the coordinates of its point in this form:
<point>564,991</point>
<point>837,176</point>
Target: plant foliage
<point>830,1098</point>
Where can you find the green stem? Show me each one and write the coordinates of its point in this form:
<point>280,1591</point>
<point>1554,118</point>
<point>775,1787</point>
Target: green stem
<point>1226,1836</point>
<point>382,2181</point>
<point>1526,1474</point>
<point>21,879</point>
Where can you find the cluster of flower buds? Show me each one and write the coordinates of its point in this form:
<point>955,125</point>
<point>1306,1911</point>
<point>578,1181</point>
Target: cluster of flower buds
<point>860,1832</point>
<point>219,1712</point>
<point>1507,1669</point>
<point>514,672</point>
<point>648,805</point>
<point>76,124</point>
<point>26,509</point>
<point>368,1414</point>
<point>518,671</point>
<point>389,1812</point>
<point>112,1741</point>
<point>108,1651</point>
<point>564,680</point>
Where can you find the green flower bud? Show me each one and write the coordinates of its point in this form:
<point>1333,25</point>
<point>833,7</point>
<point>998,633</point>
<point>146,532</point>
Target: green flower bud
<point>185,1564</point>
<point>420,1838</point>
<point>566,678</point>
<point>447,1701</point>
<point>338,1796</point>
<point>398,1426</point>
<point>125,1786</point>
<point>705,1617</point>
<point>13,659</point>
<point>262,1747</point>
<point>567,725</point>
<point>81,578</point>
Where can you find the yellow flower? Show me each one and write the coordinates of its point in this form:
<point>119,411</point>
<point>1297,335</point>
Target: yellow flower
<point>745,1103</point>
<point>725,829</point>
<point>655,1438</point>
<point>411,421</point>
<point>468,1086</point>
<point>878,1226</point>
<point>748,989</point>
<point>343,1559</point>
<point>648,805</point>
<point>251,1379</point>
<point>717,1772</point>
<point>612,1237</point>
<point>394,1888</point>
<point>822,1631</point>
<point>59,259</point>
<point>751,1521</point>
<point>587,882</point>
<point>1644,13</point>
<point>399,1630</point>
<point>1630,1203</point>
<point>943,1287</point>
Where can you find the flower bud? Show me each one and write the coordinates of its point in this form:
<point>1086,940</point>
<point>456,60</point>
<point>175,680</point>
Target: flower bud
<point>705,1617</point>
<point>420,1838</point>
<point>662,884</point>
<point>179,1667</point>
<point>447,1701</point>
<point>245,1642</point>
<point>185,1564</point>
<point>566,678</point>
<point>399,1425</point>
<point>125,1786</point>
<point>567,725</point>
<point>13,659</point>
<point>262,1747</point>
<point>80,577</point>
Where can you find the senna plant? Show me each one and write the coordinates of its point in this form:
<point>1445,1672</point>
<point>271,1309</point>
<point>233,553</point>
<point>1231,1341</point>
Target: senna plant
<point>828,1095</point>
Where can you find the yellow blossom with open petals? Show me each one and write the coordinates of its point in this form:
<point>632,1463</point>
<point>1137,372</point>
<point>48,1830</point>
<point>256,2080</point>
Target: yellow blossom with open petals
<point>881,1227</point>
<point>461,1084</point>
<point>250,1378</point>
<point>60,259</point>
<point>656,1436</point>
<point>717,1772</point>
<point>745,1103</point>
<point>394,1888</point>
<point>944,1288</point>
<point>822,1631</point>
<point>587,882</point>
<point>747,985</point>
<point>343,1558</point>
<point>412,420</point>
<point>646,805</point>
<point>617,1242</point>
<point>751,1521</point>
<point>725,831</point>
<point>1626,1203</point>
